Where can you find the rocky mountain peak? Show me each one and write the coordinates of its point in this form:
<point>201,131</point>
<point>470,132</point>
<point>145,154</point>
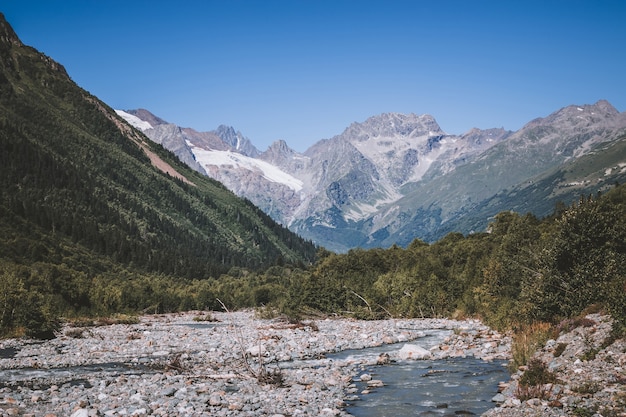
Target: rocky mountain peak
<point>236,140</point>
<point>389,125</point>
<point>479,136</point>
<point>577,115</point>
<point>9,40</point>
<point>281,155</point>
<point>280,146</point>
<point>146,116</point>
<point>605,107</point>
<point>227,133</point>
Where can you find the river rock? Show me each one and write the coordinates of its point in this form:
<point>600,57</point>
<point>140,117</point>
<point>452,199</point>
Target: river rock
<point>81,412</point>
<point>375,383</point>
<point>413,352</point>
<point>498,398</point>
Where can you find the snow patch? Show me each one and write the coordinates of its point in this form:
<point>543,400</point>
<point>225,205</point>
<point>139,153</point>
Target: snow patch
<point>134,120</point>
<point>228,158</point>
<point>621,167</point>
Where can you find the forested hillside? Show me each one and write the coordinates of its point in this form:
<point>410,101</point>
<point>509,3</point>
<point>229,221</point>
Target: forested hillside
<point>85,198</point>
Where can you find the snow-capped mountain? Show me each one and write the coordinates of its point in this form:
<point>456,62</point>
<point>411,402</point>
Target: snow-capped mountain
<point>390,179</point>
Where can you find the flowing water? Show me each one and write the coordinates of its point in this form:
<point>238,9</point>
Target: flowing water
<point>424,388</point>
<point>450,387</point>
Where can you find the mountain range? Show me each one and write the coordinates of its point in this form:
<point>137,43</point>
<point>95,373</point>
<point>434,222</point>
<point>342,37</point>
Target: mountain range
<point>398,177</point>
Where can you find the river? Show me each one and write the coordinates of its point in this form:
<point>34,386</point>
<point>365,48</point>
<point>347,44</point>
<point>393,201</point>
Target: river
<point>454,386</point>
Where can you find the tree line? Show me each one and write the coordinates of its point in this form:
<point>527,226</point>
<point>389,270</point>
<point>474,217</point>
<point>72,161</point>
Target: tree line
<point>522,270</point>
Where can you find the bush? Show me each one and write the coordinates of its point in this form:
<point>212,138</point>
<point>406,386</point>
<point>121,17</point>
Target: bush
<point>536,382</point>
<point>560,348</point>
<point>537,374</point>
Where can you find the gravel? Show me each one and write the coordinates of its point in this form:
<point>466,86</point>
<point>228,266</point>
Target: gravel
<point>173,365</point>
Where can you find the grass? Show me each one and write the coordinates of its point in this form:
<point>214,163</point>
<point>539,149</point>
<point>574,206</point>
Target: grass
<point>527,340</point>
<point>537,374</point>
<point>208,317</point>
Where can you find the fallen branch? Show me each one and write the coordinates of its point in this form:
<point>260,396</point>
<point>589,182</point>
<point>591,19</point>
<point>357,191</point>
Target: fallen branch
<point>263,375</point>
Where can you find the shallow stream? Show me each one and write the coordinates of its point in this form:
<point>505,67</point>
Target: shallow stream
<point>455,386</point>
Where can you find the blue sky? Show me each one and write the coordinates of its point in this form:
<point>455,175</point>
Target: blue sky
<point>304,70</point>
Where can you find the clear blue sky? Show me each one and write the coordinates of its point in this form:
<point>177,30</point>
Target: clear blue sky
<point>304,70</point>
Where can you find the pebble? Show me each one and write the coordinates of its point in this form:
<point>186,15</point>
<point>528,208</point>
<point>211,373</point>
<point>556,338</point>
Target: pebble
<point>171,365</point>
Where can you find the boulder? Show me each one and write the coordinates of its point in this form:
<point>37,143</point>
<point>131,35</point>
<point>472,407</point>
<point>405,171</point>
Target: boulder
<point>414,352</point>
<point>255,350</point>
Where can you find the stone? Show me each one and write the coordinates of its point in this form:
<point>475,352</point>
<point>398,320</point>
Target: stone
<point>235,406</point>
<point>413,352</point>
<point>498,398</point>
<point>255,350</point>
<point>215,400</point>
<point>81,412</point>
<point>383,359</point>
<point>168,392</point>
<point>375,383</point>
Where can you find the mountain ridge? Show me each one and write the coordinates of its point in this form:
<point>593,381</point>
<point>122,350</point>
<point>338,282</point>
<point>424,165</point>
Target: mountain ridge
<point>395,172</point>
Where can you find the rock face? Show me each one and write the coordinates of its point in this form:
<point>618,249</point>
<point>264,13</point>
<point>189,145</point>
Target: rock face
<point>394,177</point>
<point>357,177</point>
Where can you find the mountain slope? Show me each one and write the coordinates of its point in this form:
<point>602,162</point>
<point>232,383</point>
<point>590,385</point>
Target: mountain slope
<point>79,182</point>
<point>598,171</point>
<point>370,166</point>
<point>432,208</point>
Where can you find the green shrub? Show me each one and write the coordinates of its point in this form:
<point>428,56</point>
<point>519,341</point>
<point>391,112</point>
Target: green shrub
<point>560,348</point>
<point>536,374</point>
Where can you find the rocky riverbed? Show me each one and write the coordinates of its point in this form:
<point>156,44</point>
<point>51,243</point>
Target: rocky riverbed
<point>183,365</point>
<point>180,365</point>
